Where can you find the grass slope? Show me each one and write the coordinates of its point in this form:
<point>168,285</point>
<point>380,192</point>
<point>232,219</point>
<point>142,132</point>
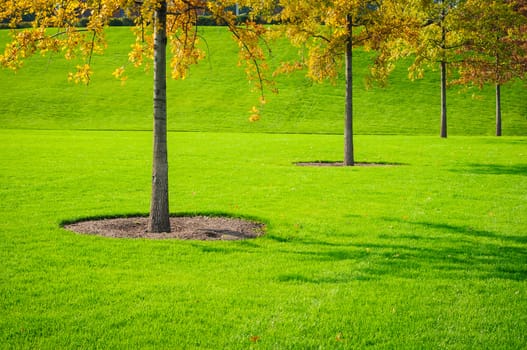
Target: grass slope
<point>428,254</point>
<point>217,97</point>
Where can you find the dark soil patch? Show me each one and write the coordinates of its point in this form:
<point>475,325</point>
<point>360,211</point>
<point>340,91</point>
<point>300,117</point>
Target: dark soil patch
<point>182,227</point>
<point>341,164</point>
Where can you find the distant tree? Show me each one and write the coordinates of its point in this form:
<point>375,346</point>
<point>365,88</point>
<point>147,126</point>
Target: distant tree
<point>158,23</point>
<point>496,45</point>
<point>329,30</point>
<point>435,41</point>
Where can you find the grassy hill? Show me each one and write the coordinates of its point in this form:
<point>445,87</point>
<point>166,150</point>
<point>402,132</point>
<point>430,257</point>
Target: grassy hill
<point>217,97</point>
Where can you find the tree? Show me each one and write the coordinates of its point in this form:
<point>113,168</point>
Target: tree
<point>496,46</point>
<point>158,23</point>
<point>159,220</point>
<point>329,30</point>
<point>434,41</point>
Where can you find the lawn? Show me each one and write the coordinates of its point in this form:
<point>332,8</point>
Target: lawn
<point>217,97</point>
<point>427,252</point>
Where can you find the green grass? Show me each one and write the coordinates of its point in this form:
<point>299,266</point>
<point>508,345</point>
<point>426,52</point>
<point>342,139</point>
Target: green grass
<point>431,253</point>
<point>217,97</point>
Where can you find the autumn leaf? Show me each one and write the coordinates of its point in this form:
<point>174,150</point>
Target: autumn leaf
<point>82,75</point>
<point>119,74</point>
<point>255,115</point>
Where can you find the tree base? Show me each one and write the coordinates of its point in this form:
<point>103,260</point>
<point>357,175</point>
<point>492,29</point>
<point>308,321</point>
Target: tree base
<point>341,164</point>
<point>182,227</point>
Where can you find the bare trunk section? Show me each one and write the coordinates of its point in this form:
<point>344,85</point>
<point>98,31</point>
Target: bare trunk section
<point>498,110</point>
<point>348,124</point>
<point>443,72</point>
<point>159,220</point>
<point>498,92</point>
<point>443,100</point>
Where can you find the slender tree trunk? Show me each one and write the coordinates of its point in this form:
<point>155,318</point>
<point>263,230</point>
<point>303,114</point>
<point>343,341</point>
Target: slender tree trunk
<point>443,73</point>
<point>443,100</point>
<point>348,124</point>
<point>498,110</point>
<point>159,220</point>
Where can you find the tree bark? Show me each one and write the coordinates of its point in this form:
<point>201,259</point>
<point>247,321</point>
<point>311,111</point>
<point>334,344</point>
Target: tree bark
<point>498,110</point>
<point>443,100</point>
<point>159,220</point>
<point>349,158</point>
<point>443,72</point>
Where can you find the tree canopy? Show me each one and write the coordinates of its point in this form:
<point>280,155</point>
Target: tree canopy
<point>495,49</point>
<point>55,28</point>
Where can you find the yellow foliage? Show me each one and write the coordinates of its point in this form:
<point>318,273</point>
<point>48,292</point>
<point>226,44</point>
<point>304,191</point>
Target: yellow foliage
<point>325,28</point>
<point>81,43</point>
<point>82,75</point>
<point>55,30</point>
<point>255,115</point>
<point>119,74</point>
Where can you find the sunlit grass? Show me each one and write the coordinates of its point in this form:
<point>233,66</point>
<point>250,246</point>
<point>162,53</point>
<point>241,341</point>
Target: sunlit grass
<point>428,251</point>
<point>217,97</point>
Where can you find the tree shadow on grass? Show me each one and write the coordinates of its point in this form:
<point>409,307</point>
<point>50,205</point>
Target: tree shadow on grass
<point>333,163</point>
<point>462,231</point>
<point>416,256</point>
<point>304,241</point>
<point>336,278</point>
<point>493,169</point>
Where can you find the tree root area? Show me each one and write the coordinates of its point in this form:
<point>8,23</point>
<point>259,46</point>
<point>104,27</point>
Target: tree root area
<point>341,164</point>
<point>182,227</point>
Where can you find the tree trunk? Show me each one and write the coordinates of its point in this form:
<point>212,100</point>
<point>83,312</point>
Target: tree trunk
<point>348,124</point>
<point>159,220</point>
<point>443,72</point>
<point>498,110</point>
<point>443,100</point>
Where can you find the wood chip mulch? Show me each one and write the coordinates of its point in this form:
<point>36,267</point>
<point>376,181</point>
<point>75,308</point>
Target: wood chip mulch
<point>340,164</point>
<point>183,227</point>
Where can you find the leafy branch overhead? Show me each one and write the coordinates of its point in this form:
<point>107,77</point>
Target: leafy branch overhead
<point>55,29</point>
<point>496,36</point>
<point>323,28</point>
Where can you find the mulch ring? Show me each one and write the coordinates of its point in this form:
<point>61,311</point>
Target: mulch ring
<point>340,164</point>
<point>182,227</point>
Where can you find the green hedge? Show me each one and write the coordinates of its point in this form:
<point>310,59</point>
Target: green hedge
<point>124,21</point>
<point>210,21</point>
<point>119,22</point>
<point>20,25</point>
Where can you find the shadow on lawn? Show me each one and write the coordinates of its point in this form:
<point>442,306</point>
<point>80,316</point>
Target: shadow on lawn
<point>493,169</point>
<point>303,241</point>
<point>463,231</point>
<point>418,256</point>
